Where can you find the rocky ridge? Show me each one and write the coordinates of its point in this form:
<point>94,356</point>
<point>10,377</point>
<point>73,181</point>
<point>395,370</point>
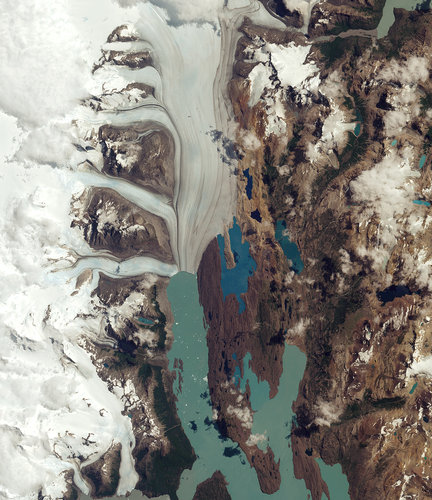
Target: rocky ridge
<point>338,160</point>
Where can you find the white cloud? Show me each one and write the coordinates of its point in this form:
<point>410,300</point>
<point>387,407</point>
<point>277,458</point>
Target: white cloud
<point>249,140</point>
<point>41,60</point>
<point>421,366</point>
<point>346,264</point>
<point>411,71</point>
<point>243,414</point>
<point>299,329</point>
<point>256,439</point>
<point>406,104</point>
<point>328,412</point>
<point>387,190</point>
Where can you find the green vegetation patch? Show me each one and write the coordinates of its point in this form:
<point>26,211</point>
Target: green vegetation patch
<point>270,173</point>
<point>354,150</point>
<point>427,141</point>
<point>164,475</point>
<point>342,47</point>
<point>350,302</point>
<point>124,359</point>
<point>159,326</point>
<point>426,103</point>
<point>145,372</point>
<point>369,405</point>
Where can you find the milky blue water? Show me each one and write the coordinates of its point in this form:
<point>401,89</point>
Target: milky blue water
<point>273,417</point>
<point>289,248</point>
<point>336,481</point>
<point>357,129</point>
<point>235,281</point>
<point>413,388</point>
<point>394,142</point>
<point>388,17</point>
<point>422,161</point>
<point>145,321</point>
<point>422,202</point>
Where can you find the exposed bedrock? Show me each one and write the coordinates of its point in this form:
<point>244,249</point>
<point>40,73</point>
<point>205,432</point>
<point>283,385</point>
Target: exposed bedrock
<point>104,474</point>
<point>214,488</point>
<point>133,60</point>
<point>123,33</point>
<point>141,154</point>
<point>232,335</point>
<point>363,308</point>
<point>112,223</point>
<point>332,17</point>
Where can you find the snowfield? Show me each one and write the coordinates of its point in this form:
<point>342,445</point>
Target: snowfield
<point>56,414</point>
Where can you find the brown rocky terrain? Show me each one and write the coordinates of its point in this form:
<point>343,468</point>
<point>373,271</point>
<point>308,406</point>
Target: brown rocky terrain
<point>214,487</point>
<point>131,359</point>
<point>140,154</point>
<point>360,309</point>
<point>330,17</point>
<point>229,333</point>
<point>135,331</point>
<point>110,222</point>
<point>103,475</point>
<point>343,15</point>
<point>134,60</point>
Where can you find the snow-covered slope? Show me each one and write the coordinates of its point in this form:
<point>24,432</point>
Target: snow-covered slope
<point>56,414</point>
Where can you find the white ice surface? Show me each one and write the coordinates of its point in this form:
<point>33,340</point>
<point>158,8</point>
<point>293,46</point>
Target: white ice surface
<point>51,398</point>
<point>291,65</point>
<point>304,7</point>
<point>288,64</point>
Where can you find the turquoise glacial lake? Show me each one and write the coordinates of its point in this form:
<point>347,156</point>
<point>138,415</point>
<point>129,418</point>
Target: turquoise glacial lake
<point>235,280</point>
<point>273,418</point>
<point>388,17</point>
<point>336,481</point>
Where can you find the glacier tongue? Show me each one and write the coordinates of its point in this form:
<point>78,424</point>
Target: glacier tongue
<point>52,398</point>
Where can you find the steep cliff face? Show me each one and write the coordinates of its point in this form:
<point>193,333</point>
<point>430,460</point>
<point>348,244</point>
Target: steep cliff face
<point>338,149</point>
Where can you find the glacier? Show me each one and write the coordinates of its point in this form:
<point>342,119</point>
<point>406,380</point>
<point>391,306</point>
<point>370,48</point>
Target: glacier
<point>50,73</point>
